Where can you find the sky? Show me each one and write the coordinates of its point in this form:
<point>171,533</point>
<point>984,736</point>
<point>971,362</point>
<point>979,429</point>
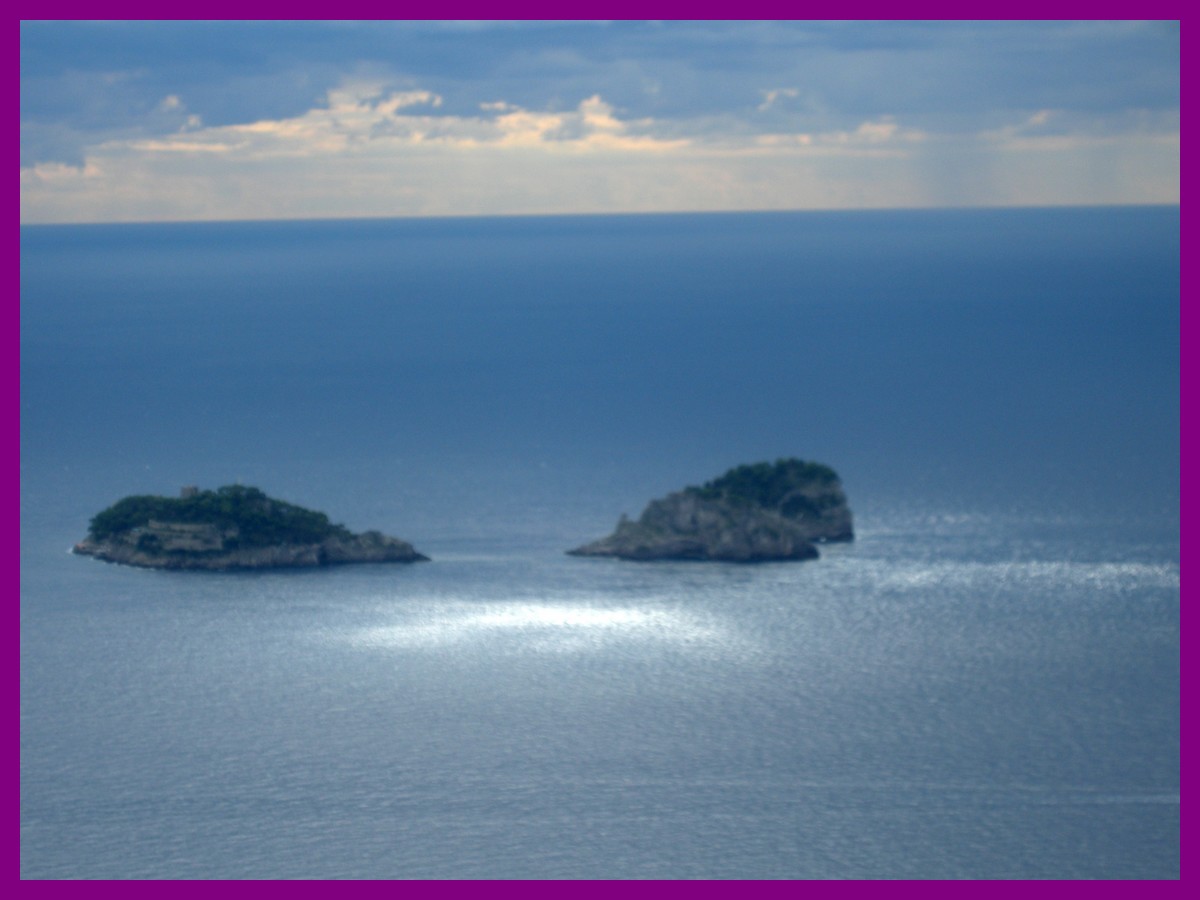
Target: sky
<point>183,121</point>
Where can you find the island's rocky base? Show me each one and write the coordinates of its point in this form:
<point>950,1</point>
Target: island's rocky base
<point>232,539</point>
<point>756,513</point>
<point>370,547</point>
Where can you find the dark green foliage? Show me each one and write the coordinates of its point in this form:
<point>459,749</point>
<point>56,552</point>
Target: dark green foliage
<point>798,506</point>
<point>776,486</point>
<point>259,519</point>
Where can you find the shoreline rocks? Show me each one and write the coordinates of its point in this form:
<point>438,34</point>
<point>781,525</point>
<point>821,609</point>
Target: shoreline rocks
<point>758,513</point>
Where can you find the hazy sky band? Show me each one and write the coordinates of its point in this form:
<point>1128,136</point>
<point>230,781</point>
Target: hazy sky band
<point>190,120</point>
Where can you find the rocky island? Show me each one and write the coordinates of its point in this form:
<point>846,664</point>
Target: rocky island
<point>233,527</point>
<point>754,513</point>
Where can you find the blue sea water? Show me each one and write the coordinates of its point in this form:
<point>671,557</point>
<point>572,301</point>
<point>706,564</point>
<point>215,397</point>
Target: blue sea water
<point>985,684</point>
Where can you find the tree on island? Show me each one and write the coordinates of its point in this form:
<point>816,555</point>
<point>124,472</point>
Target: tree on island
<point>258,520</point>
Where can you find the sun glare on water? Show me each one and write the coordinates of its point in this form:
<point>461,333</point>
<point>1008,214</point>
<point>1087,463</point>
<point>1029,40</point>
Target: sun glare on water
<point>546,627</point>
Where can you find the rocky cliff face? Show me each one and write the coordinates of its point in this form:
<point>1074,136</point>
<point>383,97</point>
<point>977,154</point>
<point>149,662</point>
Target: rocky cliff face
<point>751,514</point>
<point>161,544</point>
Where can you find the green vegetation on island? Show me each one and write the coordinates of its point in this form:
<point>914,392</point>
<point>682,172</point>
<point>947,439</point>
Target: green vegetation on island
<point>258,520</point>
<point>785,487</point>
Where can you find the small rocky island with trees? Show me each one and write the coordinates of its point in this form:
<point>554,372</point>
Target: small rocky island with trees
<point>233,527</point>
<point>755,513</point>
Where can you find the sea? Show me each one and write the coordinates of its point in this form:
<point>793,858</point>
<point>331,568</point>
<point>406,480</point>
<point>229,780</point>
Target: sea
<point>983,685</point>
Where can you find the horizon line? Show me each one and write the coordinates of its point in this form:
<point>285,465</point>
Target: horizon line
<point>607,214</point>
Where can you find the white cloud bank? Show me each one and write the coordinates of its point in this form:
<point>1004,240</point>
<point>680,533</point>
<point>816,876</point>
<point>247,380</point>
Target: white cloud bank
<point>366,151</point>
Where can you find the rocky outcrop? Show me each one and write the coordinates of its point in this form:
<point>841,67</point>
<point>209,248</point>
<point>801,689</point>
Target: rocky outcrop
<point>751,514</point>
<point>245,530</point>
<point>369,547</point>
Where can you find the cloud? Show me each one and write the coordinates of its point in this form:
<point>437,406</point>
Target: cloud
<point>180,146</point>
<point>367,153</point>
<point>880,137</point>
<point>369,150</point>
<point>52,173</point>
<point>1057,131</point>
<point>363,150</point>
<point>363,118</point>
<point>226,120</point>
<point>99,76</point>
<point>769,97</point>
<point>1031,124</point>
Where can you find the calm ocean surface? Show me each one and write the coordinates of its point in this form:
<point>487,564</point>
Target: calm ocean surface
<point>984,685</point>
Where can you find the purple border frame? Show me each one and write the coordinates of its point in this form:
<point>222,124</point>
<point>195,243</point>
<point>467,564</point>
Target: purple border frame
<point>541,9</point>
